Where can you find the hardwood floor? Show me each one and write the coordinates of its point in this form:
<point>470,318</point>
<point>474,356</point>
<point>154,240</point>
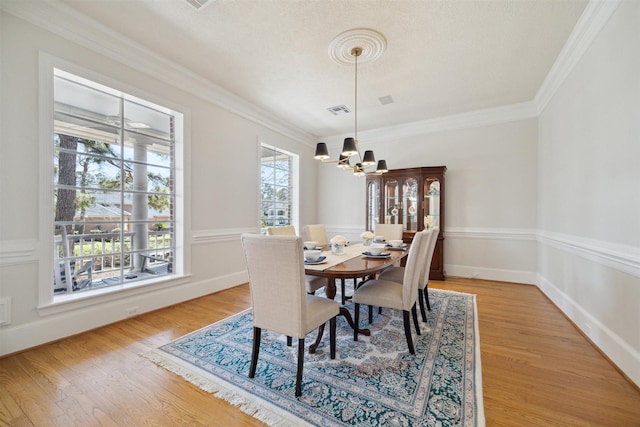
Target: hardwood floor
<point>537,369</point>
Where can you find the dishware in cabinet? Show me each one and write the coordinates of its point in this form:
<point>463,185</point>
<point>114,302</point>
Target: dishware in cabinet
<point>413,197</point>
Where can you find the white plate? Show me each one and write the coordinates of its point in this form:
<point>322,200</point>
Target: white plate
<point>383,255</point>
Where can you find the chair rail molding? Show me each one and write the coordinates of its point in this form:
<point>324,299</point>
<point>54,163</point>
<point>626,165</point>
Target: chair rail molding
<point>18,251</point>
<point>490,233</point>
<point>221,235</point>
<point>620,257</point>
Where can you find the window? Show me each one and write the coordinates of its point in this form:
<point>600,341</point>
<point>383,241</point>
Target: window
<point>114,187</point>
<point>277,183</point>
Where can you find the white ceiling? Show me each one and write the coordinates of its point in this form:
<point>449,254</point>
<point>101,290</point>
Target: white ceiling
<point>442,57</point>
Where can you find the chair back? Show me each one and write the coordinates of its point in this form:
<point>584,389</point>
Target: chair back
<point>285,230</point>
<point>276,279</point>
<point>432,239</point>
<point>316,233</point>
<point>389,231</point>
<point>412,270</point>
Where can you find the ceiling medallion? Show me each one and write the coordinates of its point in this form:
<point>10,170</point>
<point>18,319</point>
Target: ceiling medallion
<point>372,43</point>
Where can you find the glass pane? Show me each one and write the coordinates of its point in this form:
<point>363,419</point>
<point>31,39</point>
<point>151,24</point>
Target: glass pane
<point>431,203</point>
<point>374,205</point>
<point>87,131</point>
<point>275,187</point>
<point>113,200</point>
<point>391,202</point>
<point>143,120</point>
<point>282,176</point>
<point>86,102</point>
<point>145,149</point>
<point>410,204</point>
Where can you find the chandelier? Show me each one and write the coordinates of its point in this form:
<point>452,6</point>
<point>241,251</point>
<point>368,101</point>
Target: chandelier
<point>350,147</point>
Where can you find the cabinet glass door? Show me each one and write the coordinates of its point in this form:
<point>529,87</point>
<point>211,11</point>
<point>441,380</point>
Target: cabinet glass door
<point>410,204</point>
<point>391,202</point>
<point>373,210</point>
<point>431,203</point>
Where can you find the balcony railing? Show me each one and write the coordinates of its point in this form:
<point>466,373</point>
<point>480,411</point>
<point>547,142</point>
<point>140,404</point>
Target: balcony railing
<point>112,257</point>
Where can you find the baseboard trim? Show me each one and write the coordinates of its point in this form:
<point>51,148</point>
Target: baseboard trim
<point>52,328</point>
<point>619,352</point>
<point>501,275</point>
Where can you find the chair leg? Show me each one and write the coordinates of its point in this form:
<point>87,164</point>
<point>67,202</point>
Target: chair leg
<point>370,314</point>
<point>300,365</point>
<point>414,313</point>
<point>332,337</point>
<point>407,331</point>
<point>426,297</point>
<point>344,298</point>
<point>257,334</point>
<point>289,341</point>
<point>356,321</point>
<point>421,300</point>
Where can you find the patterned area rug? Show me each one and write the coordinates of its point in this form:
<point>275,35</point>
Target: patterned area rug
<point>372,382</point>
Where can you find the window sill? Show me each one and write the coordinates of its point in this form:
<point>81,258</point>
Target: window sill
<point>64,303</point>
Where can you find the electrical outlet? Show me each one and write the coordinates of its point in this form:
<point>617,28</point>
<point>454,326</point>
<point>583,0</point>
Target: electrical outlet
<point>132,311</point>
<point>5,311</point>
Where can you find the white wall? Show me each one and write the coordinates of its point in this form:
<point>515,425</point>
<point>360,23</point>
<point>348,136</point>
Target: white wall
<point>222,168</point>
<point>569,177</point>
<point>491,194</point>
<point>589,192</point>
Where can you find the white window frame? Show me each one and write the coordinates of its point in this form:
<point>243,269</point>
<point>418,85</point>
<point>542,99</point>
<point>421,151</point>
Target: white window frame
<point>47,302</point>
<point>295,182</point>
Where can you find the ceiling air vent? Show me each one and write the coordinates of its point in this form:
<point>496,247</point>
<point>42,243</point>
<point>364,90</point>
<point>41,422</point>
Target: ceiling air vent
<point>338,110</point>
<point>199,4</point>
<point>384,100</point>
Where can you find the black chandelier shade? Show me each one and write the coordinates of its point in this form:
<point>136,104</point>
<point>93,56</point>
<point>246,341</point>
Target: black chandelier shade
<point>349,147</point>
<point>322,153</point>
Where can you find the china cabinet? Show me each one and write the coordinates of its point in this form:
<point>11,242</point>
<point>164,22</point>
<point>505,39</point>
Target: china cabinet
<point>413,197</point>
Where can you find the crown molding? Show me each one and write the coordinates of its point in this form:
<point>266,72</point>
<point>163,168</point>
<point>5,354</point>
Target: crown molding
<point>63,20</point>
<point>591,22</point>
<point>58,18</point>
<point>468,120</point>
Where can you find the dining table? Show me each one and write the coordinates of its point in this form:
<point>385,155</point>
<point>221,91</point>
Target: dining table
<point>353,263</point>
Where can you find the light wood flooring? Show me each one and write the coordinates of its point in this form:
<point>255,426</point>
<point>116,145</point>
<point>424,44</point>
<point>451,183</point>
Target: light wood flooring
<point>537,369</point>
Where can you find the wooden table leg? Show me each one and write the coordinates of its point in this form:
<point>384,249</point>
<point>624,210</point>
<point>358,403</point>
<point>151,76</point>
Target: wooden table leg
<point>330,292</point>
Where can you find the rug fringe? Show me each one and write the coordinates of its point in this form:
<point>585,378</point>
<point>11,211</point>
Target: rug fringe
<point>261,412</point>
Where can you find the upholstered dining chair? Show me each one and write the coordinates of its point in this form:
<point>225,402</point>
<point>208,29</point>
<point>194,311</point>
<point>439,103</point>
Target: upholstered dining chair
<point>394,295</point>
<point>278,297</point>
<point>316,233</point>
<point>389,231</point>
<point>284,230</point>
<point>313,283</point>
<point>396,274</point>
